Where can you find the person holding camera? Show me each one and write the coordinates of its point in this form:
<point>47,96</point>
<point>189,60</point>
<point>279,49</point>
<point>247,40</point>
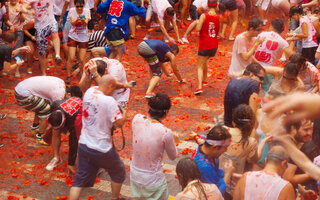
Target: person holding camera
<point>78,35</point>
<point>100,115</point>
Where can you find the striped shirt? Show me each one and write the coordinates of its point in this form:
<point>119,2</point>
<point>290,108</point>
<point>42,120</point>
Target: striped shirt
<point>97,39</point>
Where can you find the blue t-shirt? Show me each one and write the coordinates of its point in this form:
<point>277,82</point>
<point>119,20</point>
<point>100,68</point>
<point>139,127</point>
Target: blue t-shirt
<point>160,47</point>
<point>210,173</point>
<point>118,14</point>
<point>238,92</point>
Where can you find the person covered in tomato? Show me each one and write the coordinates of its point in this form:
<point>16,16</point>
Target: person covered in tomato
<point>268,52</point>
<point>117,29</point>
<point>62,118</point>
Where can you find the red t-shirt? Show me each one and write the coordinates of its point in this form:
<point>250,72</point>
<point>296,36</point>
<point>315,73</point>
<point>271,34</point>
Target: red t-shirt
<point>209,32</point>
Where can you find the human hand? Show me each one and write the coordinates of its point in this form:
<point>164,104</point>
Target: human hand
<point>60,22</point>
<point>20,63</point>
<point>259,41</point>
<point>92,67</point>
<point>268,138</point>
<point>176,137</point>
<point>301,106</point>
<point>172,40</point>
<point>25,49</point>
<point>180,41</point>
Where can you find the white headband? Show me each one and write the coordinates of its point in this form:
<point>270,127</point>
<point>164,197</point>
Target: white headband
<point>225,142</point>
<point>63,118</point>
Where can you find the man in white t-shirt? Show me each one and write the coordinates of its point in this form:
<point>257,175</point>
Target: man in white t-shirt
<point>36,94</point>
<point>97,67</point>
<point>267,184</point>
<point>100,115</point>
<point>268,52</point>
<point>244,47</point>
<point>151,139</point>
<point>46,27</point>
<point>166,15</point>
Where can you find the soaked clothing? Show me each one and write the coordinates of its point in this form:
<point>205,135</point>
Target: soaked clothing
<point>210,171</point>
<point>263,186</point>
<point>70,108</point>
<point>276,86</point>
<point>238,92</point>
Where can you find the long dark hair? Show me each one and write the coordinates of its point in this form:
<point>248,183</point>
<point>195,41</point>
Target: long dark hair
<point>187,169</point>
<point>244,119</point>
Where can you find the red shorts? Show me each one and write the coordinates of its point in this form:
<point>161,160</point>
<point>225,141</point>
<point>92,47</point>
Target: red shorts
<point>73,43</point>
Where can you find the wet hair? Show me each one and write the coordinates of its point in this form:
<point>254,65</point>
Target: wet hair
<point>253,68</point>
<point>295,10</point>
<point>222,7</point>
<point>277,154</point>
<point>9,36</point>
<point>174,47</point>
<point>254,23</point>
<point>159,105</point>
<point>278,25</point>
<point>170,11</point>
<point>74,91</point>
<point>101,67</point>
<point>291,69</point>
<point>295,124</point>
<point>218,132</point>
<point>79,1</point>
<point>55,118</point>
<point>298,59</point>
<point>187,169</point>
<point>244,119</point>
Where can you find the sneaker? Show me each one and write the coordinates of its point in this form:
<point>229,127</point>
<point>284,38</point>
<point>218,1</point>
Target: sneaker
<point>42,142</point>
<point>146,37</point>
<point>149,95</point>
<point>53,163</point>
<point>198,91</point>
<point>204,83</point>
<point>185,40</point>
<point>1,145</point>
<point>58,59</point>
<point>17,74</point>
<point>39,136</point>
<point>2,116</point>
<point>29,70</point>
<point>33,128</point>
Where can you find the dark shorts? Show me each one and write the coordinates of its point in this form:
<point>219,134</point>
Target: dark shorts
<point>231,5</point>
<point>90,161</point>
<point>115,38</point>
<point>32,31</point>
<point>208,52</point>
<point>309,54</point>
<point>73,43</point>
<point>154,65</point>
<point>193,12</point>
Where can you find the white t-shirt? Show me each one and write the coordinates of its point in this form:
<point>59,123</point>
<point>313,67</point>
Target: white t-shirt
<point>44,13</point>
<point>149,142</point>
<point>311,40</point>
<point>159,7</point>
<point>2,13</point>
<point>201,3</point>
<point>117,71</point>
<point>99,114</point>
<point>47,87</point>
<point>268,52</point>
<point>241,45</point>
<point>57,7</point>
<point>79,33</point>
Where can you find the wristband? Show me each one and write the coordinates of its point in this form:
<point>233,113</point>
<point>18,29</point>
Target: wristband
<point>94,75</point>
<point>196,137</point>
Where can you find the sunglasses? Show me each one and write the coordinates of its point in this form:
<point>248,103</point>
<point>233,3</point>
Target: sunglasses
<point>79,6</point>
<point>258,29</point>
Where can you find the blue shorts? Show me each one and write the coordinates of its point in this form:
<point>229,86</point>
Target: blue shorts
<point>90,161</point>
<point>208,52</point>
<point>108,51</point>
<point>193,12</point>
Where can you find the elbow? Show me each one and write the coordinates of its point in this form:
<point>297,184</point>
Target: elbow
<point>317,56</point>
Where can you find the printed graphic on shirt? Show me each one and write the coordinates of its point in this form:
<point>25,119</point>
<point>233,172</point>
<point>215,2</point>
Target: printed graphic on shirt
<point>72,105</point>
<point>116,8</point>
<point>211,30</point>
<point>263,56</point>
<point>89,113</point>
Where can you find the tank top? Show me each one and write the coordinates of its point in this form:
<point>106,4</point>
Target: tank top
<point>209,32</point>
<point>263,186</point>
<point>276,86</point>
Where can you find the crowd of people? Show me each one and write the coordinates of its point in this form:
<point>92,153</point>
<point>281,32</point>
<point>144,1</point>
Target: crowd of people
<point>266,143</point>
